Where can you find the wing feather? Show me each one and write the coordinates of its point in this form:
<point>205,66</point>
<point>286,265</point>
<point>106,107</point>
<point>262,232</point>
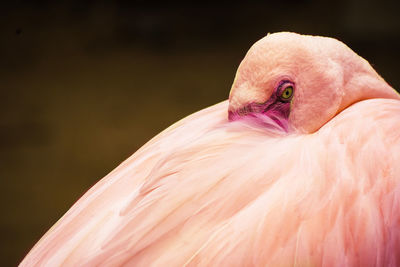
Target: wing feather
<point>211,192</point>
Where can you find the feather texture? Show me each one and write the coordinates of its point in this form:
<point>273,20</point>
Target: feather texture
<point>209,192</point>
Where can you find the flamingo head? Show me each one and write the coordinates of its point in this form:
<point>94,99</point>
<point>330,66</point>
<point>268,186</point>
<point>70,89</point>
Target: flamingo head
<point>298,82</point>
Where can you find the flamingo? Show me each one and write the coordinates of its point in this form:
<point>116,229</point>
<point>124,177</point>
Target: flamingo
<point>299,167</point>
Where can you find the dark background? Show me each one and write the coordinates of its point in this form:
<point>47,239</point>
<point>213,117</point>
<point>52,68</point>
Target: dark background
<point>83,84</point>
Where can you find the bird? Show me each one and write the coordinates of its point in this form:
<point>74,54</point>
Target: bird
<point>299,167</point>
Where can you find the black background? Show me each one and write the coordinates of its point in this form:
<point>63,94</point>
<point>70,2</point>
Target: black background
<point>83,84</point>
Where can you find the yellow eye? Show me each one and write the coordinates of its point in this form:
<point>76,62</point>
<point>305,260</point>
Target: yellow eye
<point>287,93</point>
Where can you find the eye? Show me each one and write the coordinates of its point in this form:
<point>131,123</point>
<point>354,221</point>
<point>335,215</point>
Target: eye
<point>286,93</point>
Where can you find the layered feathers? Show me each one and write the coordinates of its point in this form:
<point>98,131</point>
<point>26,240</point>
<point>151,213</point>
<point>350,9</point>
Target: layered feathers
<point>212,192</point>
<point>207,198</point>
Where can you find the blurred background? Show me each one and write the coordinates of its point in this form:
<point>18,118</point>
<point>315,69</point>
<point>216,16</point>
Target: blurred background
<point>84,84</point>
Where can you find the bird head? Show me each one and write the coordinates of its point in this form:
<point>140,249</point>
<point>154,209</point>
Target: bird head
<point>299,82</point>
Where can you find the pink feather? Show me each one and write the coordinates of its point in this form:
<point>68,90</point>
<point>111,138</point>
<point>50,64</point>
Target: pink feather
<point>212,192</point>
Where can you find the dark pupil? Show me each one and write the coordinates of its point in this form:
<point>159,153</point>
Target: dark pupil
<point>286,92</point>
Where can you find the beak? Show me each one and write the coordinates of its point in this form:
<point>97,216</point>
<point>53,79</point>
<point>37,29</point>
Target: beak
<point>270,114</point>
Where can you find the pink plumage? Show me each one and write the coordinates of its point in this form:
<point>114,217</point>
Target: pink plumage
<point>299,167</point>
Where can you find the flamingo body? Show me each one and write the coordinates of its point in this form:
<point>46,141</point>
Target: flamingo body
<point>251,190</point>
